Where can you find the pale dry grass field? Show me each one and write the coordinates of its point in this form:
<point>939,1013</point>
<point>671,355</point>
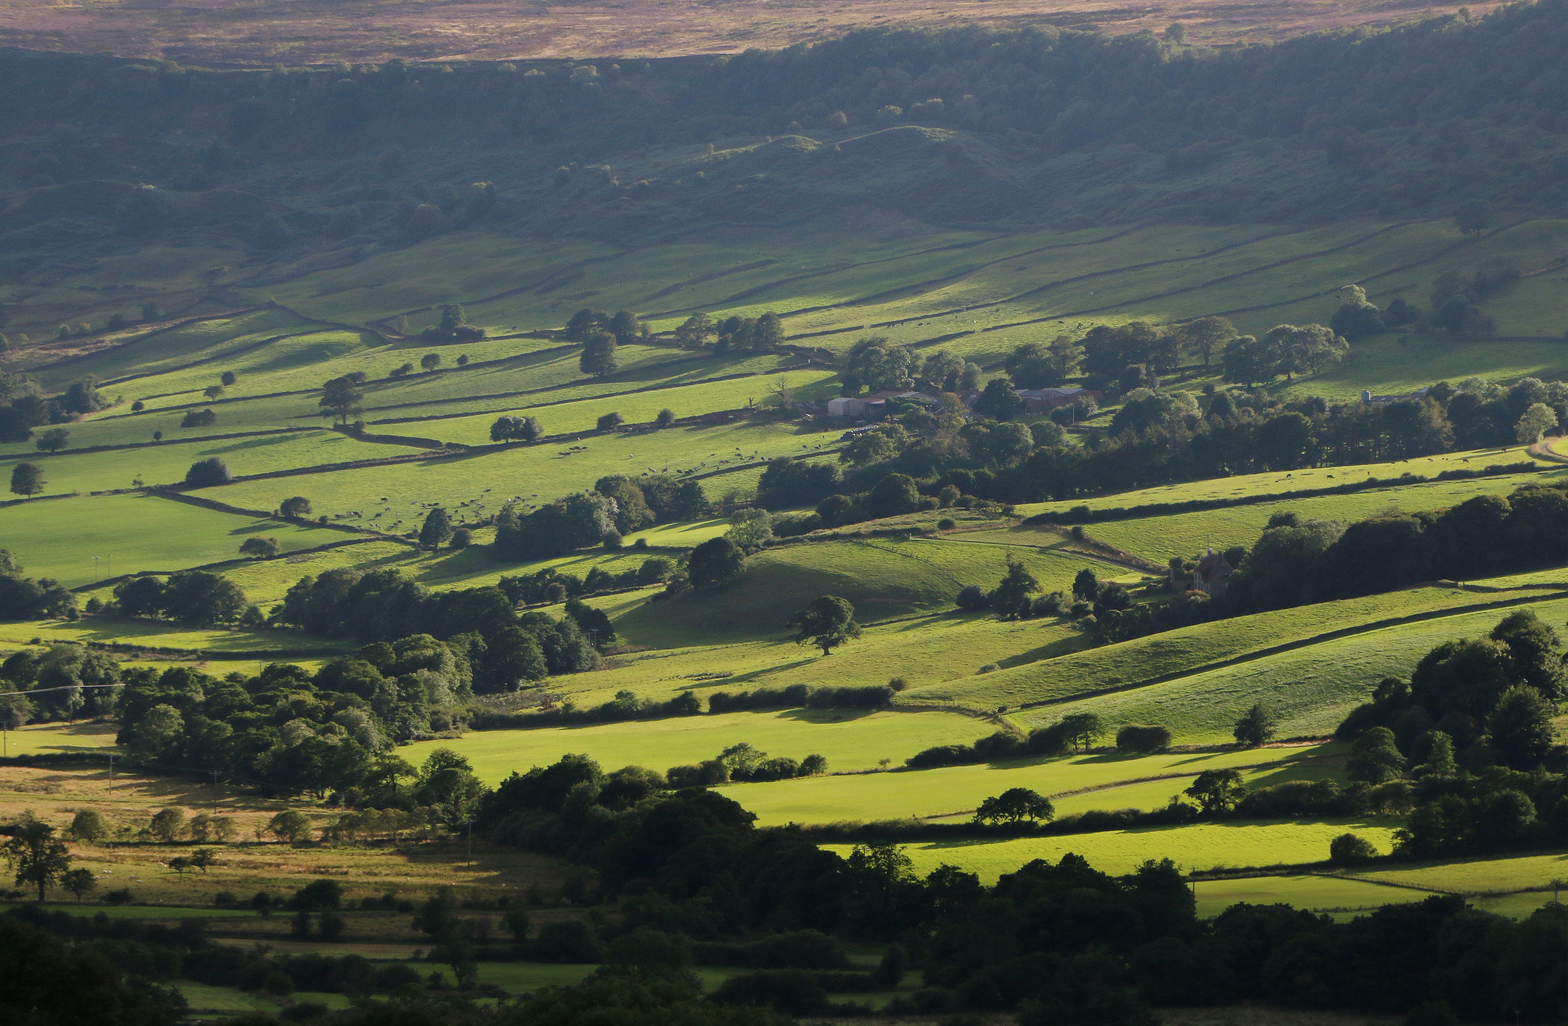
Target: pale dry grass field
<point>253,860</point>
<point>298,32</point>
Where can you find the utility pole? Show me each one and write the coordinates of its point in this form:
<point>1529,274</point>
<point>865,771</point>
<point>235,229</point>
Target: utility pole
<point>214,791</point>
<point>111,765</point>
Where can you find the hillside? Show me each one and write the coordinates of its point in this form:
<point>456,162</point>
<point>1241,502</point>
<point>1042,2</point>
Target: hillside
<point>378,30</point>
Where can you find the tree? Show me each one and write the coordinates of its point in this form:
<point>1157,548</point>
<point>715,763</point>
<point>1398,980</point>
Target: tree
<point>827,622</point>
<point>998,400</point>
<point>212,391</point>
<point>1256,726</point>
<point>88,825</point>
<point>714,563</point>
<point>695,331</point>
<point>436,529</point>
<point>295,506</point>
<point>625,326</point>
<point>35,855</point>
<point>340,397</point>
<point>27,479</point>
<point>598,358</point>
<point>1086,585</point>
<point>1081,729</point>
<point>1013,597</point>
<point>167,824</point>
<point>610,421</point>
<point>1520,726</point>
<point>1356,318</point>
<point>1350,849</point>
<point>1015,805</point>
<point>447,783</point>
<point>79,882</point>
<point>1202,337</point>
<point>1375,757</point>
<point>893,496</point>
<point>584,323</point>
<point>1308,347</point>
<point>208,473</point>
<point>1135,738</point>
<point>1537,420</point>
<point>878,365</point>
<point>430,361</point>
<point>228,378</point>
<point>1249,360</point>
<point>259,547</point>
<point>53,440</point>
<point>515,429</point>
<point>1217,790</point>
<point>290,826</point>
<point>665,418</point>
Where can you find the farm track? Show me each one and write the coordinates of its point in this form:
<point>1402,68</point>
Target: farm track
<point>1300,643</point>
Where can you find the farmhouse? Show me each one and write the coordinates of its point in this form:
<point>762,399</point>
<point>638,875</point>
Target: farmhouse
<point>874,403</point>
<point>1040,400</point>
<point>1212,574</point>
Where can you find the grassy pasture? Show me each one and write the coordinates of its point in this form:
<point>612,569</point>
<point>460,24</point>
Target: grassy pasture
<point>167,464</point>
<point>1076,782</point>
<point>1310,689</point>
<point>137,532</point>
<point>1478,875</point>
<point>1199,846</point>
<point>1311,891</point>
<point>1128,663</point>
<point>640,408</point>
<point>850,740</point>
<point>1185,534</point>
<point>539,472</point>
<point>161,634</point>
<point>921,649</point>
<point>1271,482</point>
<point>882,577</point>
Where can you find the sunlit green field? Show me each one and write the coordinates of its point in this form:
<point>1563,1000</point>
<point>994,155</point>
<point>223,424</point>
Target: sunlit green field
<point>849,740</point>
<point>110,535</point>
<point>1076,783</point>
<point>1200,846</point>
<point>991,292</point>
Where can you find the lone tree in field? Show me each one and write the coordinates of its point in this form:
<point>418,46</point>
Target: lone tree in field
<point>610,421</point>
<point>79,882</point>
<point>1015,805</point>
<point>436,530</point>
<point>36,855</point>
<point>27,479</point>
<point>1257,727</point>
<point>54,439</point>
<point>827,622</point>
<point>339,398</point>
<point>430,361</point>
<point>260,548</point>
<point>290,826</point>
<point>295,506</point>
<point>598,359</point>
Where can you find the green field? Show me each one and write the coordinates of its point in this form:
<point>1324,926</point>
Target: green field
<point>849,740</point>
<point>116,534</point>
<point>974,293</point>
<point>1202,846</point>
<point>1077,783</point>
